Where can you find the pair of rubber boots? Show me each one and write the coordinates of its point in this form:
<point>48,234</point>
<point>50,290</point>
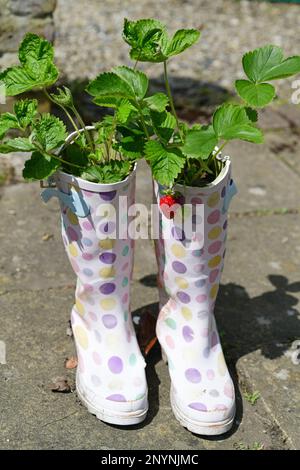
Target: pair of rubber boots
<point>111,379</point>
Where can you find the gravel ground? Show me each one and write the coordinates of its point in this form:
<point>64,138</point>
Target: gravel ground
<point>88,35</point>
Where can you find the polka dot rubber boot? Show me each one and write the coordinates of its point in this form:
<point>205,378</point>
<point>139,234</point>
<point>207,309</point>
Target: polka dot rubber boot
<point>110,378</point>
<point>190,266</point>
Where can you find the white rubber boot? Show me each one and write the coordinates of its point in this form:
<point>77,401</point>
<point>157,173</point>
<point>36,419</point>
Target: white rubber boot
<point>111,378</point>
<point>202,392</point>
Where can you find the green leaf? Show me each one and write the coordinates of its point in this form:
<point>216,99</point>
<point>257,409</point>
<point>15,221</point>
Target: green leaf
<point>63,97</point>
<point>107,101</point>
<point>132,146</point>
<point>20,144</point>
<point>165,163</point>
<point>268,63</point>
<point>200,143</point>
<point>137,81</point>
<point>39,167</point>
<point>252,114</point>
<point>109,84</point>
<point>7,121</point>
<point>164,124</point>
<point>255,94</point>
<point>231,122</point>
<point>147,38</point>
<point>25,111</point>
<point>182,39</point>
<point>124,110</point>
<point>74,153</point>
<point>49,132</point>
<point>108,172</point>
<point>157,102</point>
<point>36,70</point>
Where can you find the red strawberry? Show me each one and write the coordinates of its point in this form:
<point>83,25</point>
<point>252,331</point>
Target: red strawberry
<point>166,202</point>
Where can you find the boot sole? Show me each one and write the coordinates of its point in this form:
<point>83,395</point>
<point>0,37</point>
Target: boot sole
<point>126,418</point>
<point>201,428</point>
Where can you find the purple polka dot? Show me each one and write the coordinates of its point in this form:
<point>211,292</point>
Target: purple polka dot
<point>178,234</point>
<point>225,225</point>
<point>107,288</point>
<point>214,339</point>
<point>87,241</point>
<point>109,321</point>
<point>87,256</point>
<point>213,275</point>
<point>108,196</point>
<point>223,193</point>
<point>87,225</point>
<point>198,406</point>
<point>108,227</point>
<point>178,267</point>
<point>107,258</point>
<point>214,217</point>
<point>193,375</point>
<point>183,297</point>
<point>88,272</point>
<point>116,397</point>
<point>187,334</point>
<point>200,283</point>
<point>214,247</point>
<point>72,234</point>
<point>115,364</point>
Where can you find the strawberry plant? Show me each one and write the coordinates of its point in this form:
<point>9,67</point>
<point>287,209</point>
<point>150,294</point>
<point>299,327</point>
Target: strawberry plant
<point>188,155</point>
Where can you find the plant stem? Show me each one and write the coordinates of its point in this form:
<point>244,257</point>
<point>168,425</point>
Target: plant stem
<point>65,110</point>
<point>143,120</point>
<point>56,157</point>
<point>169,93</point>
<point>86,132</point>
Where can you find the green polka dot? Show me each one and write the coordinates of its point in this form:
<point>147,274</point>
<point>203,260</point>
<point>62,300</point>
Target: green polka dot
<point>140,396</point>
<point>125,281</point>
<point>171,323</point>
<point>125,250</point>
<point>132,359</point>
<point>126,315</point>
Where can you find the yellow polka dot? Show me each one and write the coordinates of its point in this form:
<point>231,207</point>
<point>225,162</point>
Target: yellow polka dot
<point>107,272</point>
<point>181,282</point>
<point>221,364</point>
<point>213,199</point>
<point>189,354</point>
<point>72,217</point>
<point>108,304</point>
<point>106,211</point>
<point>178,251</point>
<point>116,384</point>
<point>107,243</point>
<point>81,337</point>
<point>213,262</point>
<point>73,250</point>
<point>186,313</point>
<point>214,291</point>
<point>112,341</point>
<point>214,233</point>
<point>79,307</point>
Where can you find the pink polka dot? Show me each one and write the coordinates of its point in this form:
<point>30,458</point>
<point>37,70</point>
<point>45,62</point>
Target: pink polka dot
<point>210,374</point>
<point>214,247</point>
<point>75,266</point>
<point>201,298</point>
<point>170,342</point>
<point>87,256</point>
<point>93,316</point>
<point>205,332</point>
<point>88,288</point>
<point>72,234</point>
<point>220,407</point>
<point>196,200</point>
<point>88,193</point>
<point>97,358</point>
<point>214,217</point>
<point>165,276</point>
<point>228,390</point>
<point>125,298</point>
<point>172,304</point>
<point>87,225</point>
<point>125,266</point>
<point>198,268</point>
<point>213,275</point>
<point>214,339</point>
